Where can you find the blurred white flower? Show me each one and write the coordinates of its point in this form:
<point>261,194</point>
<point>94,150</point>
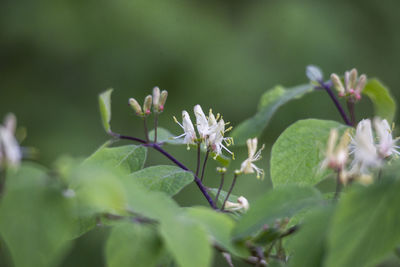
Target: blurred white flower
<point>201,122</point>
<point>216,139</point>
<point>253,155</point>
<point>187,126</point>
<point>242,204</point>
<point>337,154</point>
<point>387,145</point>
<point>363,148</point>
<point>10,152</point>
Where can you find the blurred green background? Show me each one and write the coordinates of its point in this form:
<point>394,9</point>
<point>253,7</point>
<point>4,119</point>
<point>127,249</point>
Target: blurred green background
<point>56,56</point>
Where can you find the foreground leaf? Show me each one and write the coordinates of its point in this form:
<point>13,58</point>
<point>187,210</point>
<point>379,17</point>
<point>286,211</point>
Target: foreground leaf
<point>298,152</point>
<point>167,179</point>
<point>384,104</point>
<point>35,219</point>
<point>133,245</point>
<point>129,158</point>
<point>269,104</point>
<point>275,204</point>
<point>365,227</point>
<point>105,109</point>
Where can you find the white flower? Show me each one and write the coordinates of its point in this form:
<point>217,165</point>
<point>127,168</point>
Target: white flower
<point>314,73</point>
<point>363,148</point>
<point>187,126</point>
<point>336,155</point>
<point>201,122</point>
<point>10,152</point>
<point>216,139</point>
<point>387,145</point>
<point>242,204</point>
<point>248,166</point>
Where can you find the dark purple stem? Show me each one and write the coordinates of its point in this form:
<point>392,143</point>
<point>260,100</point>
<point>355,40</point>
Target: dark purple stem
<point>328,89</point>
<point>157,147</point>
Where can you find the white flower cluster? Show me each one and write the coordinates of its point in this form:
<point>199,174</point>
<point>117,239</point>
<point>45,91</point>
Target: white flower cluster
<point>211,131</point>
<point>10,152</point>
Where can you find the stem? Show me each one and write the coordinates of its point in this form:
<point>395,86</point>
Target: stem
<point>198,160</point>
<point>146,130</point>
<point>174,160</point>
<point>338,187</point>
<point>328,89</point>
<point>220,187</point>
<point>380,174</point>
<point>204,165</point>
<point>350,107</point>
<point>2,181</point>
<point>155,126</point>
<point>230,191</point>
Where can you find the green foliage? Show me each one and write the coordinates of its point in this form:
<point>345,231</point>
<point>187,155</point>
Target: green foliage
<point>365,227</point>
<point>165,136</point>
<point>269,104</point>
<point>132,244</point>
<point>128,159</point>
<point>167,179</point>
<point>105,109</point>
<point>35,218</point>
<point>275,204</point>
<point>384,104</point>
<point>297,154</point>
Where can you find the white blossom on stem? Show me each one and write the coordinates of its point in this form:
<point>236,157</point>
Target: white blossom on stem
<point>201,122</point>
<point>216,139</point>
<point>187,126</point>
<point>336,154</point>
<point>387,145</point>
<point>253,155</point>
<point>242,204</point>
<point>10,151</point>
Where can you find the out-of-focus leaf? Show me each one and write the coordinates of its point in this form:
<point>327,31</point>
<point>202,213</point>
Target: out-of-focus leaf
<point>105,109</point>
<point>309,244</point>
<point>365,226</point>
<point>167,179</point>
<point>384,104</point>
<point>275,204</point>
<point>269,104</point>
<point>187,241</point>
<point>35,218</point>
<point>297,155</point>
<point>133,245</point>
<point>165,136</point>
<point>219,226</point>
<point>129,158</point>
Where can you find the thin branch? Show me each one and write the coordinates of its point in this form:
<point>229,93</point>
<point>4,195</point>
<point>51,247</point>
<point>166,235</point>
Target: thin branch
<point>230,190</point>
<point>339,107</point>
<point>204,165</point>
<point>198,160</point>
<point>350,106</point>
<point>338,187</point>
<point>155,126</point>
<point>2,181</point>
<point>146,130</point>
<point>220,187</point>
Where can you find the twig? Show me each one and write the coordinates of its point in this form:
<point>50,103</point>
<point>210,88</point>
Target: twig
<point>350,107</point>
<point>220,187</point>
<point>155,126</point>
<point>198,160</point>
<point>338,187</point>
<point>146,130</point>
<point>230,190</point>
<point>204,165</point>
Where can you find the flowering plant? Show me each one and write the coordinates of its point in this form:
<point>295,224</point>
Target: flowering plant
<point>333,202</point>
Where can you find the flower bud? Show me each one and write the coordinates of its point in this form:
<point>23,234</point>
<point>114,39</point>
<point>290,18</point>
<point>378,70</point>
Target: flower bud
<point>163,99</point>
<point>337,83</point>
<point>156,98</point>
<point>147,104</point>
<point>135,106</point>
<point>353,79</point>
<point>360,86</point>
<point>221,169</point>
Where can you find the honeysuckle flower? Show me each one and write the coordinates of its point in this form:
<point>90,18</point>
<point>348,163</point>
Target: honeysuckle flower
<point>147,104</point>
<point>353,85</point>
<point>387,145</point>
<point>336,155</point>
<point>363,148</point>
<point>135,106</point>
<point>163,99</point>
<point>253,155</point>
<point>187,126</point>
<point>10,151</point>
<point>216,139</point>
<point>156,98</point>
<point>201,122</point>
<point>242,204</point>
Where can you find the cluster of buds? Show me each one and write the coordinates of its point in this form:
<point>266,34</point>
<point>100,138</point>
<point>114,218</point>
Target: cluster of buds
<point>368,150</point>
<point>353,84</point>
<point>211,131</point>
<point>10,151</point>
<point>155,101</point>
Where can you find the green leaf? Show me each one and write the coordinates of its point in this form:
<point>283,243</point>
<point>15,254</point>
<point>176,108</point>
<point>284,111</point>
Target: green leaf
<point>275,204</point>
<point>365,227</point>
<point>105,108</point>
<point>384,104</point>
<point>187,241</point>
<point>129,158</point>
<point>309,244</point>
<point>167,179</point>
<point>219,226</point>
<point>35,218</point>
<point>269,104</point>
<point>297,154</point>
<point>165,136</point>
<point>133,245</point>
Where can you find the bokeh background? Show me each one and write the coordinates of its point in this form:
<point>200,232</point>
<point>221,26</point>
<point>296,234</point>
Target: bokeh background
<point>57,56</point>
